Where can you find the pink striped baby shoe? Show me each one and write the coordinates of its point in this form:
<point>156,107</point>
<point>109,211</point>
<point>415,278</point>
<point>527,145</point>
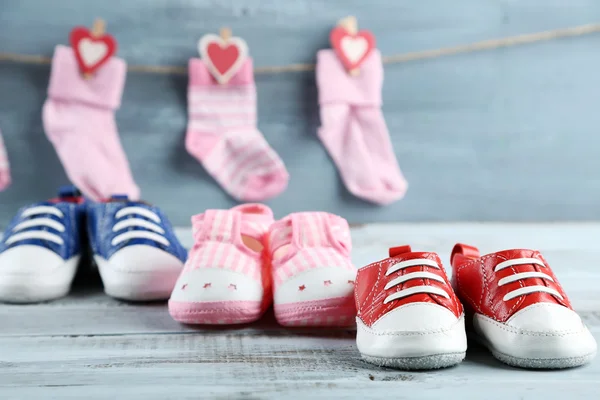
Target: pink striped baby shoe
<point>312,271</point>
<point>226,279</point>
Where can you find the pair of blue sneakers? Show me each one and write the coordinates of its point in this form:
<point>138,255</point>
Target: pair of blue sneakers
<point>132,243</point>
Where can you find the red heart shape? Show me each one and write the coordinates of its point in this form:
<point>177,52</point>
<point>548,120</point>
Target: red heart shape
<point>352,50</point>
<point>223,58</point>
<point>91,52</point>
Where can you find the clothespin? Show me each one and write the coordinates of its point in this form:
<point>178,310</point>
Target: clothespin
<point>223,55</point>
<point>92,48</point>
<point>225,33</point>
<point>97,31</point>
<point>351,45</point>
<point>350,24</point>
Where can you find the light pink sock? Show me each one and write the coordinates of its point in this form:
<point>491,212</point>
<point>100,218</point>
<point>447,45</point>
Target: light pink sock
<point>222,135</point>
<point>353,129</point>
<point>4,166</point>
<point>78,118</point>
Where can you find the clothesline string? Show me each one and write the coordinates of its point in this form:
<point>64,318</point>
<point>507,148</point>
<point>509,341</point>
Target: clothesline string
<point>392,59</point>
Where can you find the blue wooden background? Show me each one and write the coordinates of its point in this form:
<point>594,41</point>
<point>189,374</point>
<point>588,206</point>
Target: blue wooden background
<point>508,134</point>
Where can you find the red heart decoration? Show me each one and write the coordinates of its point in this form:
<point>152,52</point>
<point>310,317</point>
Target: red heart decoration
<point>223,57</point>
<point>91,52</point>
<point>351,49</point>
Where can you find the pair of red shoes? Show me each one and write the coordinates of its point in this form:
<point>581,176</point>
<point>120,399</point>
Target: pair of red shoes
<point>410,317</point>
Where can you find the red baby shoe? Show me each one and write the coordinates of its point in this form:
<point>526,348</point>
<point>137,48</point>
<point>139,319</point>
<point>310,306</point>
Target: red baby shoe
<point>408,315</point>
<point>519,310</point>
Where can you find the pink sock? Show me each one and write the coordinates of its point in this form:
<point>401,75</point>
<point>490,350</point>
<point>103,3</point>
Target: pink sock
<point>353,129</point>
<point>4,166</point>
<point>222,135</point>
<point>79,120</point>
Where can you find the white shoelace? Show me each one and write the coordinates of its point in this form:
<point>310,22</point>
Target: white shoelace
<point>414,275</point>
<point>524,275</point>
<point>39,221</point>
<point>157,234</point>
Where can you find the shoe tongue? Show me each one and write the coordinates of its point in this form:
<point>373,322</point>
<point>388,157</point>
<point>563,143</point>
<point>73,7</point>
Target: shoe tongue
<point>119,197</point>
<point>68,191</point>
<point>398,250</point>
<point>69,194</point>
<point>516,253</point>
<point>123,198</point>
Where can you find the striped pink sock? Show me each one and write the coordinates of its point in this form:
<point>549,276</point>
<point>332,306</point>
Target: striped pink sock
<point>222,135</point>
<point>4,167</point>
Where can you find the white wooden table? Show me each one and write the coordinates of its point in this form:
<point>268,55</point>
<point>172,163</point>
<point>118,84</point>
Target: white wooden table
<point>88,346</point>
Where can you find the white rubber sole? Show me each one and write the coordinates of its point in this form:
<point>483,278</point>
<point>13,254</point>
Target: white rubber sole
<point>145,285</point>
<point>30,288</point>
<point>417,363</point>
<point>413,350</point>
<point>535,350</point>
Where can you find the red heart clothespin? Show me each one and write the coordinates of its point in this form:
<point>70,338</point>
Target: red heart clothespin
<point>351,46</point>
<point>223,55</point>
<point>92,49</point>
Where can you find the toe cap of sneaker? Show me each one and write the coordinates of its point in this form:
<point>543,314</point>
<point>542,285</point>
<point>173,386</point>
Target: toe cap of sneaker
<point>33,273</point>
<point>546,318</point>
<point>413,330</point>
<point>28,259</point>
<point>143,258</point>
<point>316,284</point>
<point>560,328</point>
<point>540,335</point>
<point>216,285</point>
<point>139,272</point>
<point>416,317</point>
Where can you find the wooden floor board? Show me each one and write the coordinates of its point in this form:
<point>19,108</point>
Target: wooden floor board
<point>90,346</point>
<point>261,365</point>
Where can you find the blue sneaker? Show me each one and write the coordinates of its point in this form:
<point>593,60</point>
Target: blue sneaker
<point>41,249</point>
<point>135,249</point>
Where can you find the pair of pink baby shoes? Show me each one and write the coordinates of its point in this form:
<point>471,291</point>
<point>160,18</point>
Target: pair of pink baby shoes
<point>242,260</point>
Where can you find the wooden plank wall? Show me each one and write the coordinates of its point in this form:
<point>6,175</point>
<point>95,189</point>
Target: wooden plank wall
<point>508,134</point>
